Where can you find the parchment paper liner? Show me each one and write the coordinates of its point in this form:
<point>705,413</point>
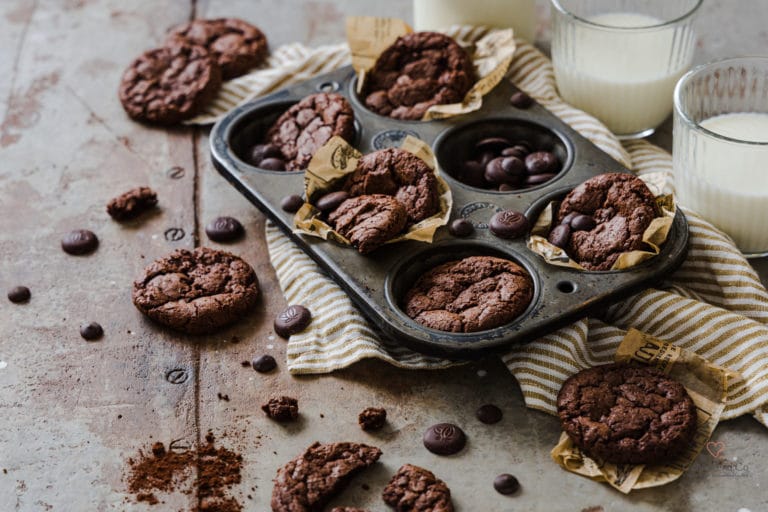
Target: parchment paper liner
<point>369,36</point>
<point>705,382</point>
<point>335,160</point>
<point>654,236</point>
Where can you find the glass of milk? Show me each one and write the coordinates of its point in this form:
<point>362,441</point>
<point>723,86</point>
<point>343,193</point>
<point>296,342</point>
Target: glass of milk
<point>520,15</point>
<point>619,60</point>
<point>720,148</point>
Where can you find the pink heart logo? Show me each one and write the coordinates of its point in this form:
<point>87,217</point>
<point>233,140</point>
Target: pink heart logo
<point>715,448</point>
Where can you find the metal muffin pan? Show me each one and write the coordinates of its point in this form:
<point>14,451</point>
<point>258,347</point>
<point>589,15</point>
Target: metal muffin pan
<point>377,282</point>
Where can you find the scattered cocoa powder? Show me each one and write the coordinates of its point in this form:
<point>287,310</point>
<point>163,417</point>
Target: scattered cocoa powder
<point>216,470</point>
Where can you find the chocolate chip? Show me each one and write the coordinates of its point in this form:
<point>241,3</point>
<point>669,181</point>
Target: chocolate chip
<point>538,179</point>
<point>508,224</point>
<point>506,484</point>
<point>487,157</point>
<point>291,320</point>
<point>541,162</point>
<point>568,218</point>
<point>494,173</point>
<point>331,201</point>
<point>79,241</point>
<point>19,294</point>
<point>272,164</point>
<point>513,166</point>
<point>264,364</point>
<point>91,331</point>
<point>263,151</point>
<point>560,235</point>
<point>444,439</point>
<point>519,150</point>
<point>473,174</point>
<point>224,229</point>
<point>582,223</point>
<point>521,100</point>
<point>461,228</point>
<point>492,145</point>
<point>292,203</point>
<point>489,414</point>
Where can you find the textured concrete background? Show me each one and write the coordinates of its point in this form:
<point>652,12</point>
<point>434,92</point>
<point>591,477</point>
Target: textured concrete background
<point>72,412</point>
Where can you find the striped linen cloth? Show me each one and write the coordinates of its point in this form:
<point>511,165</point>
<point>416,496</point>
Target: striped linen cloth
<point>714,304</point>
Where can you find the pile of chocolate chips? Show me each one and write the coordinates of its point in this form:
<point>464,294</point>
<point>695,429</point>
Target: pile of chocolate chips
<point>497,163</point>
<point>561,234</point>
<point>161,470</point>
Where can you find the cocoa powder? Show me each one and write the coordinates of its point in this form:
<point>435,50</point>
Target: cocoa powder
<point>213,471</point>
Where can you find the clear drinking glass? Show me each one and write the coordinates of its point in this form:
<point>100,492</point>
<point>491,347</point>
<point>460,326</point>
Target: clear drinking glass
<point>520,15</point>
<point>720,148</point>
<point>619,60</point>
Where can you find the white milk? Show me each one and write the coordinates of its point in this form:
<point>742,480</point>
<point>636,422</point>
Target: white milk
<point>729,185</point>
<point>437,14</point>
<point>624,79</point>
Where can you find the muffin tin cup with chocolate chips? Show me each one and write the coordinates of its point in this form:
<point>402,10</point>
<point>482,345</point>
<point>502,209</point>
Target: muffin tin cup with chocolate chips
<point>377,282</point>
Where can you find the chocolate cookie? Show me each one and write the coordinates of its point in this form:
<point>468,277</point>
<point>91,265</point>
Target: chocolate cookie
<point>621,207</point>
<point>169,84</point>
<point>418,71</point>
<point>415,489</point>
<point>627,415</point>
<point>369,221</point>
<point>131,204</point>
<point>308,125</point>
<point>396,172</point>
<point>196,291</point>
<point>235,45</point>
<point>468,295</point>
<point>308,482</point>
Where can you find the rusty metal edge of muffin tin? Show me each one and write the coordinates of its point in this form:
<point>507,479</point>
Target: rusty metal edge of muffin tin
<point>369,279</point>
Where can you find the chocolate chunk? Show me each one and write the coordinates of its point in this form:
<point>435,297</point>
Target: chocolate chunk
<point>292,203</point>
<point>568,218</point>
<point>583,223</point>
<point>489,414</point>
<point>541,162</point>
<point>311,480</point>
<point>560,235</point>
<point>282,409</point>
<point>91,331</point>
<point>264,151</point>
<point>444,439</point>
<point>415,489</point>
<point>264,364</point>
<point>492,145</point>
<point>329,202</point>
<point>372,418</point>
<point>461,228</point>
<point>80,241</point>
<point>272,164</point>
<point>538,179</point>
<point>520,100</point>
<point>131,204</point>
<point>19,294</point>
<point>292,320</point>
<point>494,172</point>
<point>517,150</point>
<point>514,167</point>
<point>508,224</point>
<point>506,484</point>
<point>224,229</point>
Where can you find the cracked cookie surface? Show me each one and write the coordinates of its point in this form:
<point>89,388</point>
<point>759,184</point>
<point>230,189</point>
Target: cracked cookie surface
<point>415,489</point>
<point>369,221</point>
<point>308,482</point>
<point>198,291</point>
<point>627,415</point>
<point>471,294</point>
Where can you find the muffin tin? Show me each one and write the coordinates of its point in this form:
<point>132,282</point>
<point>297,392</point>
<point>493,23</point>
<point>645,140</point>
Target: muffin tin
<point>377,282</point>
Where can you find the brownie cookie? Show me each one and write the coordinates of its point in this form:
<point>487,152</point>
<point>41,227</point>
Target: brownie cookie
<point>198,291</point>
<point>415,489</point>
<point>131,204</point>
<point>235,45</point>
<point>468,295</point>
<point>369,221</point>
<point>308,482</point>
<point>610,214</point>
<point>418,71</point>
<point>627,415</point>
<point>308,125</point>
<point>169,84</point>
<point>396,172</point>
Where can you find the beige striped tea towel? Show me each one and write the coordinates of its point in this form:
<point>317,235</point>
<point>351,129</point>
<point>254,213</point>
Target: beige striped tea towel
<point>713,305</point>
